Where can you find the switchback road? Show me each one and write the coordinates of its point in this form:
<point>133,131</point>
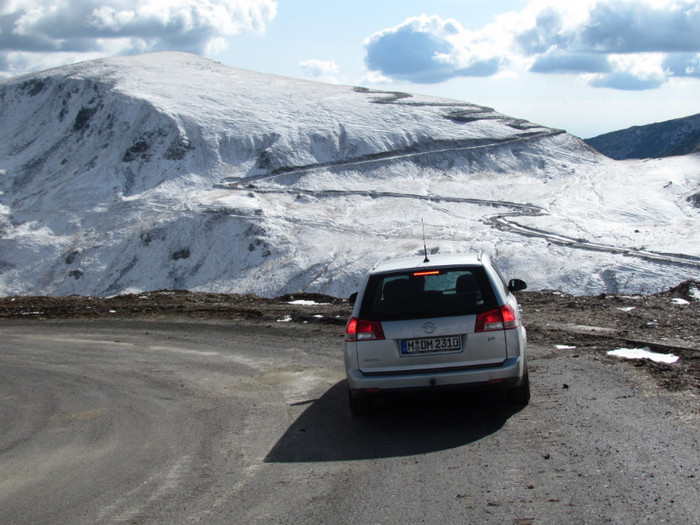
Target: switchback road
<point>505,221</point>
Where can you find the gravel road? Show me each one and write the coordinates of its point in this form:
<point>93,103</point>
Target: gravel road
<point>181,420</point>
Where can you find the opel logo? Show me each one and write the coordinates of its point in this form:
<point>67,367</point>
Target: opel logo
<point>429,327</point>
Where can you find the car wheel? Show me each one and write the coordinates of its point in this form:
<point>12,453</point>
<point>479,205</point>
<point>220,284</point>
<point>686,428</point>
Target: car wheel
<point>359,405</point>
<point>520,395</point>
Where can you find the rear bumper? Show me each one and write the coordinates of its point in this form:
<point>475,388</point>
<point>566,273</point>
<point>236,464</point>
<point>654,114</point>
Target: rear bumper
<point>509,374</point>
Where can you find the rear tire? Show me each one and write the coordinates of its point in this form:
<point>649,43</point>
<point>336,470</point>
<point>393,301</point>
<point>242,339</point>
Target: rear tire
<point>359,405</point>
<point>520,395</point>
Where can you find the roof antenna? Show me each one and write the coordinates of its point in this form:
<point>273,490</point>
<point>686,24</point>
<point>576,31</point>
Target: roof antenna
<point>425,248</point>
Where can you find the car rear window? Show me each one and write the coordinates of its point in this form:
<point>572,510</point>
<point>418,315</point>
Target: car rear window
<point>429,293</point>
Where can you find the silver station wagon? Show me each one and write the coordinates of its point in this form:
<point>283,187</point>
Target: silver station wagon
<point>444,321</point>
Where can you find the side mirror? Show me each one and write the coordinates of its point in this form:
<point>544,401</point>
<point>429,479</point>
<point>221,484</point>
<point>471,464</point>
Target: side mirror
<point>352,298</point>
<point>515,285</point>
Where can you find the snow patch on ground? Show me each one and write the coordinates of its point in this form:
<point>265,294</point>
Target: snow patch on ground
<point>643,353</point>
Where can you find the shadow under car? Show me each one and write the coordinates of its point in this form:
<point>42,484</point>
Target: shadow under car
<point>399,425</point>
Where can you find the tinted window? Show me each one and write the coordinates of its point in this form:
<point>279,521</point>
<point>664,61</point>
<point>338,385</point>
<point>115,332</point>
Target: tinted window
<point>433,293</point>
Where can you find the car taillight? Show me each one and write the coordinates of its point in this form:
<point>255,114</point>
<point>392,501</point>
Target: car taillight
<point>363,330</point>
<point>502,318</point>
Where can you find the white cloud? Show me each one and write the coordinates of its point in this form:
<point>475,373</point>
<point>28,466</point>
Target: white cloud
<point>683,64</point>
<point>318,68</point>
<point>322,70</point>
<point>428,49</point>
<point>621,44</point>
<point>33,33</point>
<point>632,72</point>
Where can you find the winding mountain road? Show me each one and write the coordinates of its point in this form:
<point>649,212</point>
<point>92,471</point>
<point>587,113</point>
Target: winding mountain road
<point>412,152</point>
<point>502,221</point>
<point>460,112</point>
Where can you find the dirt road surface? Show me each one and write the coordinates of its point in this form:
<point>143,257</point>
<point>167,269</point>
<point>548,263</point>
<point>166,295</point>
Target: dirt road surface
<point>237,413</point>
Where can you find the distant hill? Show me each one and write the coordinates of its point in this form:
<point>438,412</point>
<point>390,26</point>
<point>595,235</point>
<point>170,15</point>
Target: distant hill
<point>662,139</point>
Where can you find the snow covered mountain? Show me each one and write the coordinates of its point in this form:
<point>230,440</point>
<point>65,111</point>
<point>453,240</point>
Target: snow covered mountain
<point>679,136</point>
<point>171,171</point>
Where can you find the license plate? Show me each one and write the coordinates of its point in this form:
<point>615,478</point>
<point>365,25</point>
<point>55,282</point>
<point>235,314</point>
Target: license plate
<point>431,344</point>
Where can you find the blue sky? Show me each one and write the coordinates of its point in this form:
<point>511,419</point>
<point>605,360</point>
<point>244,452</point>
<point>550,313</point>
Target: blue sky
<point>587,66</point>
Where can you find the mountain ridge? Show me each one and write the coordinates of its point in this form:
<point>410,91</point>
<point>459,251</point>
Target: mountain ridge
<point>169,171</point>
<point>679,136</point>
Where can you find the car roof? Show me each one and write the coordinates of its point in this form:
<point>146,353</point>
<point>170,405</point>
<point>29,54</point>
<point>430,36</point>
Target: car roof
<point>434,261</point>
